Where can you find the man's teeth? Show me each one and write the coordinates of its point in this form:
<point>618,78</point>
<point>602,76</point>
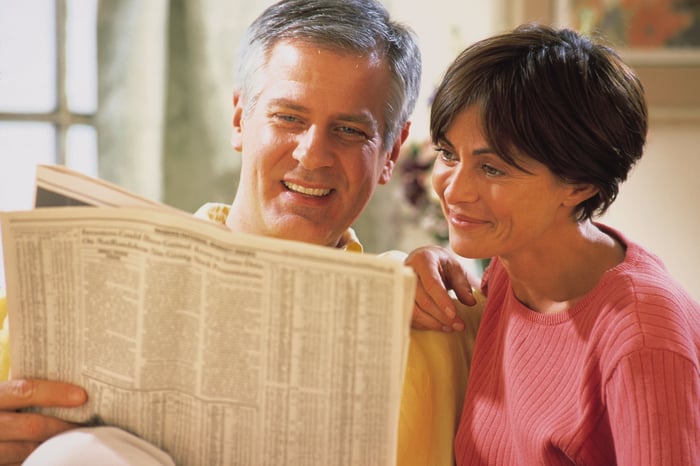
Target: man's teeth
<point>308,191</point>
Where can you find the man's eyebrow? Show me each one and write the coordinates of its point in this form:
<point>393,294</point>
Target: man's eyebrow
<point>290,104</point>
<point>361,118</point>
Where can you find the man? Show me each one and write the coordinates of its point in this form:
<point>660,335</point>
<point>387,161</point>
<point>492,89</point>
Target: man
<point>324,92</point>
<point>321,109</point>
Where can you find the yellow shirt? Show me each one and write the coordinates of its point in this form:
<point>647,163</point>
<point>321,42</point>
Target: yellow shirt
<point>434,384</point>
<point>4,340</point>
<point>433,390</point>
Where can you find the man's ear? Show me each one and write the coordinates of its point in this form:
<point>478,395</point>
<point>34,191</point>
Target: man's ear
<point>393,154</point>
<point>237,134</point>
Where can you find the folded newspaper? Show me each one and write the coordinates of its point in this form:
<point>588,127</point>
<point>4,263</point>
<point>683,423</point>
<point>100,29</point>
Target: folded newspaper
<point>219,348</point>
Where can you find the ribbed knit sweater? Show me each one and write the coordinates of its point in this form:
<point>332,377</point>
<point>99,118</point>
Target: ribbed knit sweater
<point>613,380</point>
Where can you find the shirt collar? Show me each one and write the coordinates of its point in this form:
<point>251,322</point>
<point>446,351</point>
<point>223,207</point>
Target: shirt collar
<point>217,212</point>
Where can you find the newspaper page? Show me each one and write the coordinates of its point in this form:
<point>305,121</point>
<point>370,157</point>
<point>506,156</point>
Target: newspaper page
<point>217,347</point>
<point>57,185</point>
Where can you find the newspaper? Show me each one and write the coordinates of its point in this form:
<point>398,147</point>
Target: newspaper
<point>219,348</point>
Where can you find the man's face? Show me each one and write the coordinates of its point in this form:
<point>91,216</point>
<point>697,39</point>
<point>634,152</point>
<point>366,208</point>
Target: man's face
<point>312,147</point>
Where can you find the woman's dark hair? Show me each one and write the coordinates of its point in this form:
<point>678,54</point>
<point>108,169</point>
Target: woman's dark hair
<point>553,95</point>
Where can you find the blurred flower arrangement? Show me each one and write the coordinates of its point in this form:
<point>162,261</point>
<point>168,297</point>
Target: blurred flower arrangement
<point>415,166</point>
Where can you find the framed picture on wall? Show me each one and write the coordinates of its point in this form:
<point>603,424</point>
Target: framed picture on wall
<point>659,39</point>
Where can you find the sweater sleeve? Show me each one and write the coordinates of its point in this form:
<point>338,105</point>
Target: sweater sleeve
<point>652,400</point>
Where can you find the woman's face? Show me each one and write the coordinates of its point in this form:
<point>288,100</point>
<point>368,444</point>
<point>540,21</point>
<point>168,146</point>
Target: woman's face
<point>493,208</point>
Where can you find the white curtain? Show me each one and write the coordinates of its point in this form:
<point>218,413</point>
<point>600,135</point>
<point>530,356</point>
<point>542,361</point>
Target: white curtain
<point>132,41</point>
<point>166,76</point>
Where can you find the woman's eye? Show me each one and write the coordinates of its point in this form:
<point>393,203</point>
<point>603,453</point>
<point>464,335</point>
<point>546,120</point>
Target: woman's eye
<point>491,171</point>
<point>445,155</point>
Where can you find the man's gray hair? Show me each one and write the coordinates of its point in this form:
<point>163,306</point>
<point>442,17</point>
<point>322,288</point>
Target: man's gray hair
<point>346,26</point>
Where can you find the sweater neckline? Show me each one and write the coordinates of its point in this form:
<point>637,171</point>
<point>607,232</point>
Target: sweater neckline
<point>632,252</point>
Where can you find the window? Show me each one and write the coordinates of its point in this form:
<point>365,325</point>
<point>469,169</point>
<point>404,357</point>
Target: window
<point>48,91</point>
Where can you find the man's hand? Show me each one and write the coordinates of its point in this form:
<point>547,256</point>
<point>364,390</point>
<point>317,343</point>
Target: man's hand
<point>439,270</point>
<point>21,433</point>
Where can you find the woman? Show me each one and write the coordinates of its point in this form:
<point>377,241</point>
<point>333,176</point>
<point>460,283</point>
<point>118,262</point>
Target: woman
<point>587,351</point>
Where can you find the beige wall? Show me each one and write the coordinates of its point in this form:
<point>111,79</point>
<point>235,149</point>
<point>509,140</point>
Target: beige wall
<point>658,205</point>
<point>444,28</point>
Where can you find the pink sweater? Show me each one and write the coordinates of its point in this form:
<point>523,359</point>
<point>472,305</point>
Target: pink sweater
<point>614,380</point>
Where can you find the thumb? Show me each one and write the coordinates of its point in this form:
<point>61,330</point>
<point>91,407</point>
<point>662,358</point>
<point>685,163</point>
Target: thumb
<point>25,393</point>
<point>461,280</point>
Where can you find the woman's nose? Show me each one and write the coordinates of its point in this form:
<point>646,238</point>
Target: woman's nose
<point>460,187</point>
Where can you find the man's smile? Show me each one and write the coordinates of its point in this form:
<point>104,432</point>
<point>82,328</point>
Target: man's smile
<point>316,192</point>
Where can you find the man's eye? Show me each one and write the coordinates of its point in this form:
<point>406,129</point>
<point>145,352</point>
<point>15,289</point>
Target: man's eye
<point>286,118</point>
<point>350,131</point>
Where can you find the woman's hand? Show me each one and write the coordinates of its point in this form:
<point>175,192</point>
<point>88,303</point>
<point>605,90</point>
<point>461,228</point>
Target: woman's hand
<point>438,271</point>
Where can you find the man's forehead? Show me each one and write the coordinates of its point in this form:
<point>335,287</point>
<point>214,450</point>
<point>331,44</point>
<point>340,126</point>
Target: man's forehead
<point>306,76</point>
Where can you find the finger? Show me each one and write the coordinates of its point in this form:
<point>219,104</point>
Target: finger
<point>474,280</point>
<point>432,318</point>
<point>30,427</point>
<point>14,453</point>
<point>433,286</point>
<point>24,393</point>
<point>460,281</point>
<point>426,302</point>
<point>432,296</point>
<point>421,320</point>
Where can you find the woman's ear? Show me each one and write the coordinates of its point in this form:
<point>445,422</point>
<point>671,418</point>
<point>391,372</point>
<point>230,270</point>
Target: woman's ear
<point>579,193</point>
<point>237,122</point>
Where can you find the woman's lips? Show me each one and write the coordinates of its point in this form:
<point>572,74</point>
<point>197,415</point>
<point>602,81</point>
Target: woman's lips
<point>462,220</point>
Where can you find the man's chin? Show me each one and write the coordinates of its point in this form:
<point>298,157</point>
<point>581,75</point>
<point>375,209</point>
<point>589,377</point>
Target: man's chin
<point>307,232</point>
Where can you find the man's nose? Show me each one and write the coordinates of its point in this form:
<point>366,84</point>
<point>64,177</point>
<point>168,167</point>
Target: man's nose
<point>313,150</point>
